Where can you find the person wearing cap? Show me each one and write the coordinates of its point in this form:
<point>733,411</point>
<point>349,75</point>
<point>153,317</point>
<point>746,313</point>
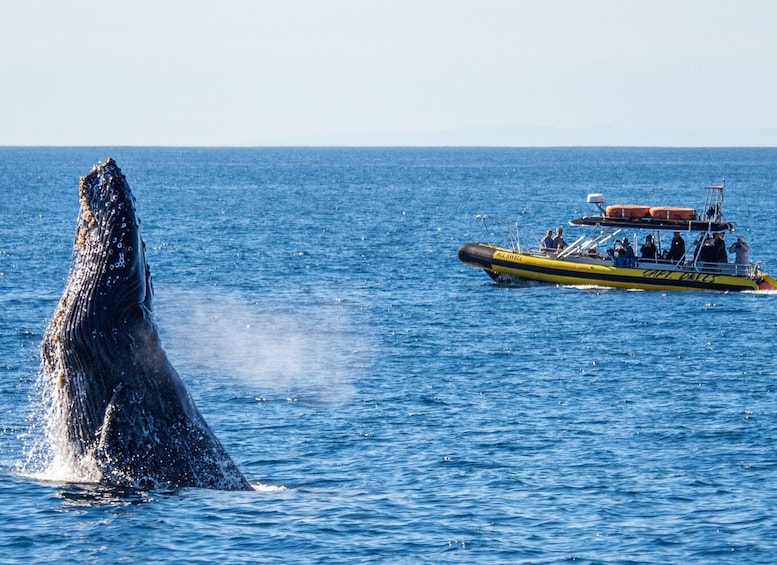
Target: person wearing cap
<point>741,249</point>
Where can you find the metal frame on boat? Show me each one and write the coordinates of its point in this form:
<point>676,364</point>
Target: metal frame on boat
<point>598,257</point>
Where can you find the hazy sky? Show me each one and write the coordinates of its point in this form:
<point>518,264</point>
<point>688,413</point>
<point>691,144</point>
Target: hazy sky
<point>227,72</point>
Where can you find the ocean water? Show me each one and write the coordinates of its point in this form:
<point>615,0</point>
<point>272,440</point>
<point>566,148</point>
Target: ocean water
<point>390,404</point>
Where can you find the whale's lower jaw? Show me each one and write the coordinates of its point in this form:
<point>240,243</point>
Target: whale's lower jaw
<point>187,455</point>
<point>119,408</point>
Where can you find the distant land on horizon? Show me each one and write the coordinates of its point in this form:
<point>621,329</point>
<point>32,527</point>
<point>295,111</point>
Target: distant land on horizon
<point>543,136</point>
<point>498,136</point>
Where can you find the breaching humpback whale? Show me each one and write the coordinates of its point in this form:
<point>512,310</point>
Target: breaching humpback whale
<point>121,413</point>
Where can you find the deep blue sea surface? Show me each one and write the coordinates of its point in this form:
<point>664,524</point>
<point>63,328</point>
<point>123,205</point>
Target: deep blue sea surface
<point>390,404</point>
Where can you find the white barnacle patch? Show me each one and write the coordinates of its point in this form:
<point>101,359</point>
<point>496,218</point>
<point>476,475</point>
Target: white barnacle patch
<point>120,263</point>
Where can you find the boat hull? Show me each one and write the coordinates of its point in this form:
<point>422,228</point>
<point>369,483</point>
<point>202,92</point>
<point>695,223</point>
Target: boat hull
<point>497,261</point>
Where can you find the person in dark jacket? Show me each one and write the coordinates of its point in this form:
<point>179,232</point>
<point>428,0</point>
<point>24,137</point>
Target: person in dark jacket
<point>705,251</point>
<point>677,250</point>
<point>720,248</point>
<point>648,249</point>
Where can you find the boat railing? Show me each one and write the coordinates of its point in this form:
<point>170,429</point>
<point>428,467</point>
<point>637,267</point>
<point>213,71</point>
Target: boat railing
<point>746,269</point>
<point>508,229</point>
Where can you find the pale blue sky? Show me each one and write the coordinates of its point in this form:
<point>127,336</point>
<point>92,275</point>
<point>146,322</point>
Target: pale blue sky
<point>226,72</point>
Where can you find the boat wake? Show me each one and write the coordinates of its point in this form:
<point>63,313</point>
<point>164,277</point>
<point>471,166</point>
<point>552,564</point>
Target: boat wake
<point>594,288</point>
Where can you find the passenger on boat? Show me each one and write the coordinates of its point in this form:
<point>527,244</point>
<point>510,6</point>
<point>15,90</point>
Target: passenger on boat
<point>547,243</point>
<point>626,257</point>
<point>705,251</point>
<point>628,250</point>
<point>677,250</point>
<point>713,214</point>
<point>720,248</point>
<point>558,241</point>
<point>742,251</point>
<point>648,249</point>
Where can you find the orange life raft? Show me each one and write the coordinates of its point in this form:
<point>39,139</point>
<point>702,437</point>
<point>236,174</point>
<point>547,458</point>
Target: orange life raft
<point>672,213</point>
<point>626,211</point>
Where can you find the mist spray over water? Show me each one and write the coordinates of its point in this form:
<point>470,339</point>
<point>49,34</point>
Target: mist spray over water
<point>284,349</point>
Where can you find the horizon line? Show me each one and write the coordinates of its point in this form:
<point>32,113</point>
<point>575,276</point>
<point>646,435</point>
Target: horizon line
<point>483,136</point>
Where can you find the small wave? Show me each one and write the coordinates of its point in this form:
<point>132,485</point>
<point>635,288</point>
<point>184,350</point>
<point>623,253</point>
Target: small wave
<point>268,488</point>
<point>590,287</point>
